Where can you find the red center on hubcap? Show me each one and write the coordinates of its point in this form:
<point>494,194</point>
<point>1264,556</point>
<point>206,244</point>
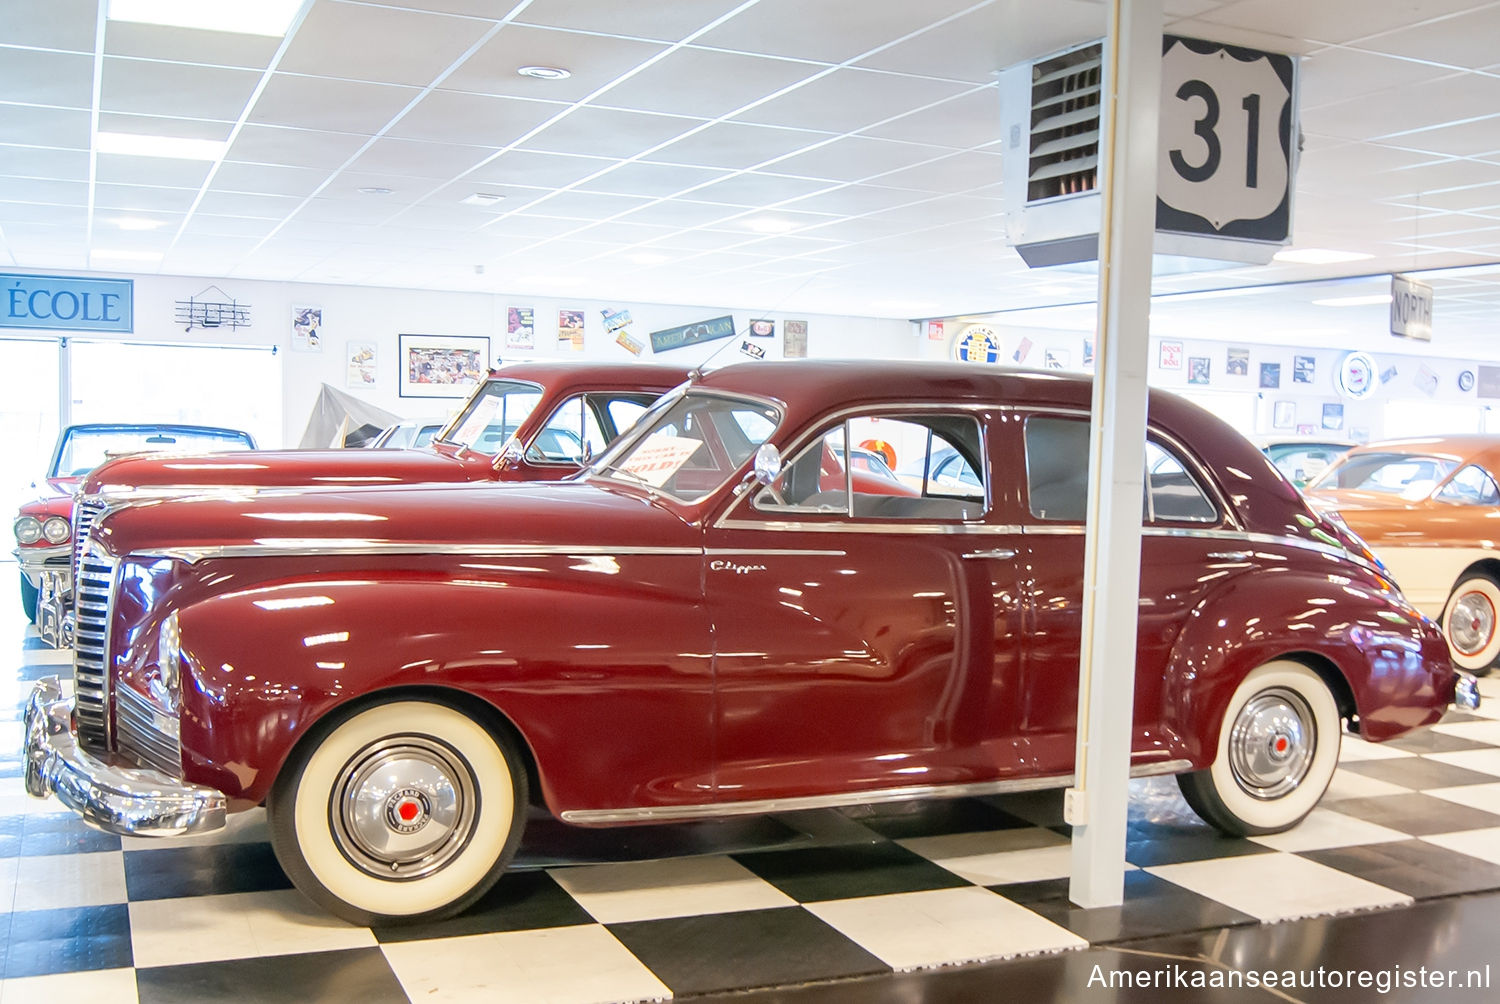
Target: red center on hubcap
<point>407,811</point>
<point>1281,744</point>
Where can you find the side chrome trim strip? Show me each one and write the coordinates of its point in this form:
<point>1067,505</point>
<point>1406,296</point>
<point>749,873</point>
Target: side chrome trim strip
<point>906,527</point>
<point>599,817</point>
<point>270,547</point>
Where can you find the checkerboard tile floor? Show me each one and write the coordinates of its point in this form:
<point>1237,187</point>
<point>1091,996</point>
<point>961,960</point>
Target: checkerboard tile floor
<point>661,912</point>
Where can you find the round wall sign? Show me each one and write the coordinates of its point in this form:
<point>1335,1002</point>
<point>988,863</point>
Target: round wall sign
<point>1358,377</point>
<point>1466,381</point>
<point>977,344</point>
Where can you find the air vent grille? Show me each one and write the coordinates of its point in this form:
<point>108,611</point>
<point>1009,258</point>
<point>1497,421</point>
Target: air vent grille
<point>1065,125</point>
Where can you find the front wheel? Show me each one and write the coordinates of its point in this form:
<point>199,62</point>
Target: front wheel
<point>402,811</point>
<point>1470,622</point>
<point>1278,748</point>
<point>28,598</point>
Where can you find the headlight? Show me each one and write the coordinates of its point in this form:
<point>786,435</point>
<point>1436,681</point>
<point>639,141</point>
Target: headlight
<point>57,530</point>
<point>28,529</point>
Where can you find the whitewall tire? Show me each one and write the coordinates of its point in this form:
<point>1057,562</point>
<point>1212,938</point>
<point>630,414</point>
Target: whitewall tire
<point>1278,748</point>
<point>400,811</point>
<point>1471,623</point>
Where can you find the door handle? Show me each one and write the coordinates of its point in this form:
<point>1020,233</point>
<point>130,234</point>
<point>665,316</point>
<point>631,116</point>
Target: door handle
<point>1229,555</point>
<point>1001,553</point>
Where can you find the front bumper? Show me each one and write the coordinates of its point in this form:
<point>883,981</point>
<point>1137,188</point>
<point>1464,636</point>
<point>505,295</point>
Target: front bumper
<point>50,570</point>
<point>131,801</point>
<point>1465,691</point>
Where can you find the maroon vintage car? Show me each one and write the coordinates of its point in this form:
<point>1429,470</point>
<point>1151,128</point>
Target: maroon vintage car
<point>527,422</point>
<point>696,628</point>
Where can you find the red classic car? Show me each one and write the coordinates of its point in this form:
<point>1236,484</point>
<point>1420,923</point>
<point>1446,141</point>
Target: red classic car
<point>551,416</point>
<point>44,526</point>
<point>696,627</point>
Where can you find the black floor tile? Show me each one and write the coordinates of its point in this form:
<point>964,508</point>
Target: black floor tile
<point>1147,846</point>
<point>1417,814</point>
<point>358,975</point>
<point>753,948</point>
<point>59,834</point>
<point>42,942</point>
<point>1152,907</point>
<point>202,871</point>
<point>1415,867</point>
<point>1419,772</point>
<point>1043,808</point>
<point>903,820</point>
<point>843,872</point>
<point>1428,741</point>
<point>548,843</point>
<point>520,901</point>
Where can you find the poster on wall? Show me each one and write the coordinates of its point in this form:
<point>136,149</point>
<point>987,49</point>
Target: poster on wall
<point>520,328</point>
<point>1237,362</point>
<point>1270,375</point>
<point>1169,356</point>
<point>1427,381</point>
<point>794,338</point>
<point>361,357</point>
<point>1198,369</point>
<point>1088,353</point>
<point>935,331</point>
<point>691,334</point>
<point>570,329</point>
<point>1284,415</point>
<point>1023,349</point>
<point>307,329</point>
<point>1489,381</point>
<point>442,365</point>
<point>617,323</point>
<point>1333,417</point>
<point>1057,359</point>
<point>1306,429</point>
<point>762,328</point>
<point>1304,369</point>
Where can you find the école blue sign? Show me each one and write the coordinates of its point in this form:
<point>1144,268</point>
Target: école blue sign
<point>67,303</point>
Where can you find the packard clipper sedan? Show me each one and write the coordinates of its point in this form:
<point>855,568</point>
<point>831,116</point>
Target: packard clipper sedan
<point>715,619</point>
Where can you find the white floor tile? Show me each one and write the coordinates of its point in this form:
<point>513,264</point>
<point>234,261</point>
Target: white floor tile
<point>1484,761</point>
<point>1348,784</point>
<point>47,657</point>
<point>999,856</point>
<point>1354,749</point>
<point>1279,886</point>
<point>1325,828</point>
<point>117,986</point>
<point>561,965</point>
<point>943,927</point>
<point>170,932</point>
<point>684,887</point>
<point>1479,732</point>
<point>239,828</point>
<point>1485,797</point>
<point>54,881</point>
<point>1483,844</point>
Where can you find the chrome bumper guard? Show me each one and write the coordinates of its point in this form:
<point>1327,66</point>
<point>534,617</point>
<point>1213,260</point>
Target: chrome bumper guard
<point>1465,691</point>
<point>130,801</point>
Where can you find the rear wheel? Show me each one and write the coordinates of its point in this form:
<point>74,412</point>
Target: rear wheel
<point>28,598</point>
<point>1278,747</point>
<point>1471,623</point>
<point>402,811</point>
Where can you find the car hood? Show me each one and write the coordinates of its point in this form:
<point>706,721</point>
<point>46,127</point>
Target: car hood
<point>1352,500</point>
<point>283,469</point>
<point>474,518</point>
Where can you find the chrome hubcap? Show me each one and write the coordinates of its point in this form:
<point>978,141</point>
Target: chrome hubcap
<point>1271,744</point>
<point>406,807</point>
<point>1471,625</point>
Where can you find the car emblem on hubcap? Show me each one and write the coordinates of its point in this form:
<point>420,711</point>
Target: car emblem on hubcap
<point>406,811</point>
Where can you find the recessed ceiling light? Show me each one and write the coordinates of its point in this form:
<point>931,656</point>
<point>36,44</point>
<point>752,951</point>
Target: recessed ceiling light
<point>136,223</point>
<point>1354,301</point>
<point>124,255</point>
<point>374,191</point>
<point>545,72</point>
<point>175,147</point>
<point>1318,256</point>
<point>482,199</point>
<point>263,17</point>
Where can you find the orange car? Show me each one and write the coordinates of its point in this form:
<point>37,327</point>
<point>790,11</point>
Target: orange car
<point>1430,509</point>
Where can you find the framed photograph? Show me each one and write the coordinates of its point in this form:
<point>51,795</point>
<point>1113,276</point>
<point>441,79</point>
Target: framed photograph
<point>1333,417</point>
<point>570,329</point>
<point>1237,362</point>
<point>1304,369</point>
<point>442,365</point>
<point>361,364</point>
<point>1198,369</point>
<point>520,328</point>
<point>1057,359</point>
<point>307,329</point>
<point>1284,415</point>
<point>1170,357</point>
<point>794,339</point>
<point>1270,375</point>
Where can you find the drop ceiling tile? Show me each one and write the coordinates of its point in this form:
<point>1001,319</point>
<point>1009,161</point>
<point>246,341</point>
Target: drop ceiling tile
<point>850,100</point>
<point>856,158</point>
<point>608,132</point>
<point>429,43</point>
<point>1336,21</point>
<point>34,77</point>
<point>856,200</point>
<point>53,127</point>
<point>653,180</point>
<point>513,198</point>
<point>1439,175</point>
<point>56,24</point>
<point>698,240</point>
<point>826,31</point>
<point>175,89</point>
<point>1471,197</point>
<point>530,227</point>
<point>1454,139</point>
<point>38,162</point>
<point>589,206</point>
<point>738,145</point>
<point>286,147</point>
<point>212,48</point>
<point>594,61</point>
<point>202,225</point>
<point>1451,99</point>
<point>485,9</point>
<point>123,169</point>
<point>140,198</point>
<point>402,191</point>
<point>967,121</point>
<point>705,82</point>
<point>975,45</point>
<point>669,20</point>
<point>267,179</point>
<point>160,125</point>
<point>107,221</point>
<point>61,218</point>
<point>541,170</point>
<point>624,234</point>
<point>473,119</point>
<point>332,105</point>
<point>1335,75</point>
<point>682,213</point>
<point>749,223</point>
<point>758,189</point>
<point>958,172</point>
<point>414,159</point>
<point>429,216</point>
<point>47,191</point>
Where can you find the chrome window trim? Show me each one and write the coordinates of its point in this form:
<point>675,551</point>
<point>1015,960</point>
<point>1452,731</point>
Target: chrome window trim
<point>895,526</point>
<point>715,810</point>
<point>438,437</point>
<point>1237,536</point>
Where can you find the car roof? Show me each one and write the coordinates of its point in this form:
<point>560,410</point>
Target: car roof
<point>217,430</point>
<point>620,376</point>
<point>1475,447</point>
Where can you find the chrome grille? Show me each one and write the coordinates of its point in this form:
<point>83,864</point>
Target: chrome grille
<point>139,737</point>
<point>94,594</point>
<point>86,509</point>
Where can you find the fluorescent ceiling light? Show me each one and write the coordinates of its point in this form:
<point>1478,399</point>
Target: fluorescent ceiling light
<point>1354,301</point>
<point>124,255</point>
<point>482,199</point>
<point>260,17</point>
<point>174,147</point>
<point>1318,256</point>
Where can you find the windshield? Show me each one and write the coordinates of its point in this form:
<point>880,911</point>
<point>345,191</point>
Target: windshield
<point>690,449</point>
<point>492,415</point>
<point>1405,475</point>
<point>83,449</point>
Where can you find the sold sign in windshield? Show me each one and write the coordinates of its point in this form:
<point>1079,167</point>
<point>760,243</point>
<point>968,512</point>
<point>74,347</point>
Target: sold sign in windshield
<point>1225,161</point>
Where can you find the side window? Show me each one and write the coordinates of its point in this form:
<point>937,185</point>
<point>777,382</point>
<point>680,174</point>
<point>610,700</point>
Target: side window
<point>623,412</point>
<point>847,470</point>
<point>1172,493</point>
<point>1471,486</point>
<point>570,430</point>
<point>1057,462</point>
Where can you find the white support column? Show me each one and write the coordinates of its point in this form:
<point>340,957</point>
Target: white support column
<point>1112,550</point>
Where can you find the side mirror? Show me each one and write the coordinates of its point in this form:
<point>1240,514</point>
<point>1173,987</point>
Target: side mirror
<point>767,463</point>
